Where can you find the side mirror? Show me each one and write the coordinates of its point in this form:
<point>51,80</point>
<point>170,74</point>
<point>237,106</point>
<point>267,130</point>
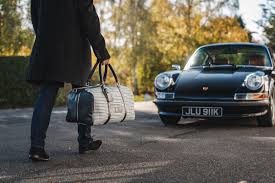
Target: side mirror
<point>176,66</point>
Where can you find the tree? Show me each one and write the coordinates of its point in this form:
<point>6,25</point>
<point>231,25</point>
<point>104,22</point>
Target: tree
<point>187,24</point>
<point>132,30</point>
<point>268,21</point>
<point>225,29</point>
<point>147,36</point>
<point>14,39</point>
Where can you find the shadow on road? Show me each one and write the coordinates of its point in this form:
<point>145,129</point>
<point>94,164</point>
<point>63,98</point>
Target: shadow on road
<point>220,123</point>
<point>145,116</point>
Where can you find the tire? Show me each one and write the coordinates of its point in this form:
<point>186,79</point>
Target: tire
<point>268,120</point>
<point>170,120</point>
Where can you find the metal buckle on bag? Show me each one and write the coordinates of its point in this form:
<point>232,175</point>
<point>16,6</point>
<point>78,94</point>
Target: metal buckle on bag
<point>88,83</point>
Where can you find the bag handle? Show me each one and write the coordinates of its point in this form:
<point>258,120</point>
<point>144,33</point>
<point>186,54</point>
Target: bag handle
<point>107,67</point>
<point>103,78</point>
<point>92,74</point>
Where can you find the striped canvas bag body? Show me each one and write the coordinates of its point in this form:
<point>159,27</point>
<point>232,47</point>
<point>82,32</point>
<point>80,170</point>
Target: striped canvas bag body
<point>101,104</point>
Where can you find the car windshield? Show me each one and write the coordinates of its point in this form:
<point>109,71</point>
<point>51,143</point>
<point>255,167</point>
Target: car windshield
<point>242,55</point>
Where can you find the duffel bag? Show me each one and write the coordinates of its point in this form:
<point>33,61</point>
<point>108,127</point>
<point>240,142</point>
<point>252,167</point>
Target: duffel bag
<point>100,104</point>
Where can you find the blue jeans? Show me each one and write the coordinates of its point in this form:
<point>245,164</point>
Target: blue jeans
<point>42,115</point>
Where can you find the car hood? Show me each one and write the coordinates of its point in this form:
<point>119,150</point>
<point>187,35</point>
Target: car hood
<point>210,84</point>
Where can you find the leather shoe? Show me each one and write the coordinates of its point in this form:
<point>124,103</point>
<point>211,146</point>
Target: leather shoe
<point>38,154</point>
<point>92,146</point>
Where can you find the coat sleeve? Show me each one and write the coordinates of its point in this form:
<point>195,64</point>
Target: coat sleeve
<point>34,14</point>
<point>91,26</point>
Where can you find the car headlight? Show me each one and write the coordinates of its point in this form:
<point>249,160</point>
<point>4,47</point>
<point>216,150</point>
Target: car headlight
<point>163,81</point>
<point>254,81</point>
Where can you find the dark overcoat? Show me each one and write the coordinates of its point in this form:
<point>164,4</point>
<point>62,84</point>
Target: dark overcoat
<point>65,31</point>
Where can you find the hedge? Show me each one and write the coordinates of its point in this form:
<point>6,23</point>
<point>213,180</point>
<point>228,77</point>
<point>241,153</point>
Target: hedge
<point>15,92</point>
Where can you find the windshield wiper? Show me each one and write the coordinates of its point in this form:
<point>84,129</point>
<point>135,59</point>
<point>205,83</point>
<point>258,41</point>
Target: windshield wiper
<point>222,66</point>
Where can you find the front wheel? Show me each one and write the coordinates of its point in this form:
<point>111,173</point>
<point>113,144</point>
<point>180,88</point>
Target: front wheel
<point>268,120</point>
<point>170,120</point>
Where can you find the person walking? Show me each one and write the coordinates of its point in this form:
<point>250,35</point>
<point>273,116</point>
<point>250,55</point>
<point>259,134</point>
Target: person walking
<point>65,32</point>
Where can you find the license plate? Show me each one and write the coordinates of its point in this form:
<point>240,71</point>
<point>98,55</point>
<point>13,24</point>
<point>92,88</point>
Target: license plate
<point>202,111</point>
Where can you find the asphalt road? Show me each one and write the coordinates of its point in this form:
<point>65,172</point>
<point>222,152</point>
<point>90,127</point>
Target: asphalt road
<point>141,151</point>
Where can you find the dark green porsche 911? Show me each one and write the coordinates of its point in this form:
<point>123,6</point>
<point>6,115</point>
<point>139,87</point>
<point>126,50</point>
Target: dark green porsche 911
<point>230,80</point>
